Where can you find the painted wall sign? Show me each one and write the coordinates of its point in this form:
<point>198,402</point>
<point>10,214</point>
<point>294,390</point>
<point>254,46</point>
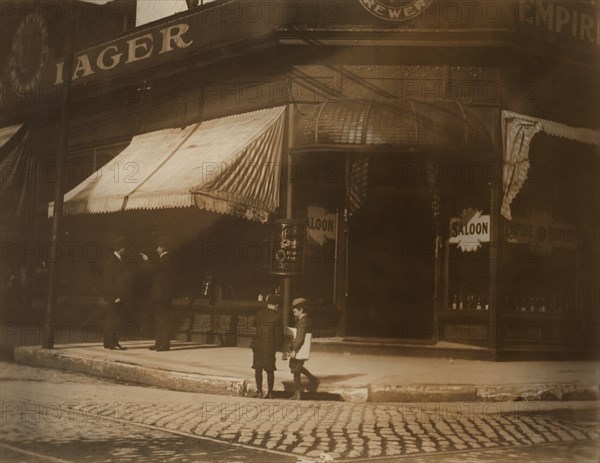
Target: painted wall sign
<point>571,19</point>
<point>320,226</point>
<point>29,54</point>
<point>392,10</point>
<point>470,230</point>
<point>286,248</point>
<point>541,232</point>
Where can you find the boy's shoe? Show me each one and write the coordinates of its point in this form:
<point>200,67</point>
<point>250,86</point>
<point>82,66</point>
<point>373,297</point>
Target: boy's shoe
<point>313,385</point>
<point>296,396</point>
<point>269,395</point>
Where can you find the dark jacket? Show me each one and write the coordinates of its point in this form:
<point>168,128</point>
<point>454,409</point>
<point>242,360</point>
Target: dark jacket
<point>303,326</point>
<point>269,331</point>
<point>118,278</point>
<point>162,279</point>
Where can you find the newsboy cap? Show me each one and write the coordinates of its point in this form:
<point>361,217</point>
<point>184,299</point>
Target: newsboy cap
<point>273,299</point>
<point>299,302</point>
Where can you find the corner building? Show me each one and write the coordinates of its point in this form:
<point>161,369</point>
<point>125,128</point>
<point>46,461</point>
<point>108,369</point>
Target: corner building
<point>440,160</point>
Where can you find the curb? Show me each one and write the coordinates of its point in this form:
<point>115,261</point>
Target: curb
<point>127,372</point>
<point>222,385</point>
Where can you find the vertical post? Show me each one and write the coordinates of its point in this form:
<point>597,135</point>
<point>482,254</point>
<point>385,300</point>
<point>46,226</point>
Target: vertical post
<point>289,204</point>
<point>61,154</point>
<point>344,244</point>
<point>336,256</point>
<point>438,296</point>
<point>433,185</point>
<point>495,255</point>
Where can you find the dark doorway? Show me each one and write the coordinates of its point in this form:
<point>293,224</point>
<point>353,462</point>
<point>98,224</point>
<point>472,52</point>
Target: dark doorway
<point>391,259</point>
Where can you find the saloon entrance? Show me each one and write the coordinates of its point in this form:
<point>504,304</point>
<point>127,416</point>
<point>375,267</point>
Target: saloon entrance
<point>391,245</point>
<point>391,254</point>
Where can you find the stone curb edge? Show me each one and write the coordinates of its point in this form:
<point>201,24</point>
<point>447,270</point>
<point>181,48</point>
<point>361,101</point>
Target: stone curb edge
<point>231,386</point>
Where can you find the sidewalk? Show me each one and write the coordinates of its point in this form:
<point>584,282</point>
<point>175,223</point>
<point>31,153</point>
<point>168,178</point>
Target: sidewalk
<point>194,367</point>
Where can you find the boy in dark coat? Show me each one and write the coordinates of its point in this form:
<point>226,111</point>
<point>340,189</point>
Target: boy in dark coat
<point>269,336</point>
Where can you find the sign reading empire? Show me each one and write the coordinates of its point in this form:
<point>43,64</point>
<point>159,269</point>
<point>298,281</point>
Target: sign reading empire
<point>392,11</point>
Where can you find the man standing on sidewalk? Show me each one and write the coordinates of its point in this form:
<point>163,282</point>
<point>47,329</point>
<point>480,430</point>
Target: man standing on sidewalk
<point>269,336</point>
<point>303,328</point>
<point>162,282</point>
<point>118,283</point>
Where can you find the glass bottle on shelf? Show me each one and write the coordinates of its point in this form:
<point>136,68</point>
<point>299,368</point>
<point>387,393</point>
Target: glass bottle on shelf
<point>486,302</point>
<point>523,304</point>
<point>532,304</point>
<point>515,304</point>
<point>460,302</point>
<point>479,306</point>
<point>454,302</point>
<point>542,305</point>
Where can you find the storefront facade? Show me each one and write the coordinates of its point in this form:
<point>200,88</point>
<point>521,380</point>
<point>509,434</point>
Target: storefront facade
<point>394,148</point>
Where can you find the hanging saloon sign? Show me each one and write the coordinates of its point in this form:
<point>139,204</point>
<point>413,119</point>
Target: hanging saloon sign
<point>470,230</point>
<point>320,225</point>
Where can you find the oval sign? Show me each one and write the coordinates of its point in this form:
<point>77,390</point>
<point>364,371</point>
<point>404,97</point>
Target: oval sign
<point>394,10</point>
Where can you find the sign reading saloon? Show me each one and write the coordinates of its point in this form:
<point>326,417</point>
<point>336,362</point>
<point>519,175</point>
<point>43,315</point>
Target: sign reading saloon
<point>392,10</point>
<point>321,226</point>
<point>470,231</point>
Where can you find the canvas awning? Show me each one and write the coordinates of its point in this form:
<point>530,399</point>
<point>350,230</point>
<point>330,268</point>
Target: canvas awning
<point>16,168</point>
<point>6,133</point>
<point>518,131</point>
<point>229,165</point>
<point>346,124</point>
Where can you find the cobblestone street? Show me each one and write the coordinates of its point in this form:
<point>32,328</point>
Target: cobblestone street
<point>45,406</point>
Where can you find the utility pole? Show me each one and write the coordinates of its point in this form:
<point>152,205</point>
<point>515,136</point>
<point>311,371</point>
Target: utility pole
<point>61,155</point>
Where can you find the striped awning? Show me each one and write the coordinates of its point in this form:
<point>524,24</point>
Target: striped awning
<point>229,165</point>
<point>6,133</point>
<point>518,131</point>
<point>344,124</point>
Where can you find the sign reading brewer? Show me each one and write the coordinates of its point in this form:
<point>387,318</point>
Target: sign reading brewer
<point>396,10</point>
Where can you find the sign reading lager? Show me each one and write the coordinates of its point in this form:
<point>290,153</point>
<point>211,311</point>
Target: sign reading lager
<point>393,10</point>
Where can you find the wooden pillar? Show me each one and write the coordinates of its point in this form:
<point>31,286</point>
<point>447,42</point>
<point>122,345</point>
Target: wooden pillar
<point>495,257</point>
<point>439,289</point>
<point>341,265</point>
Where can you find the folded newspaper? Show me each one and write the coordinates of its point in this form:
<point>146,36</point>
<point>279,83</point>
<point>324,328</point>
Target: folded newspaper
<point>304,351</point>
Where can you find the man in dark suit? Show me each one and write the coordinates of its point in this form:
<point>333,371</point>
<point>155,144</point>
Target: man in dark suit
<point>303,327</point>
<point>119,291</point>
<point>162,293</point>
<point>269,336</point>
